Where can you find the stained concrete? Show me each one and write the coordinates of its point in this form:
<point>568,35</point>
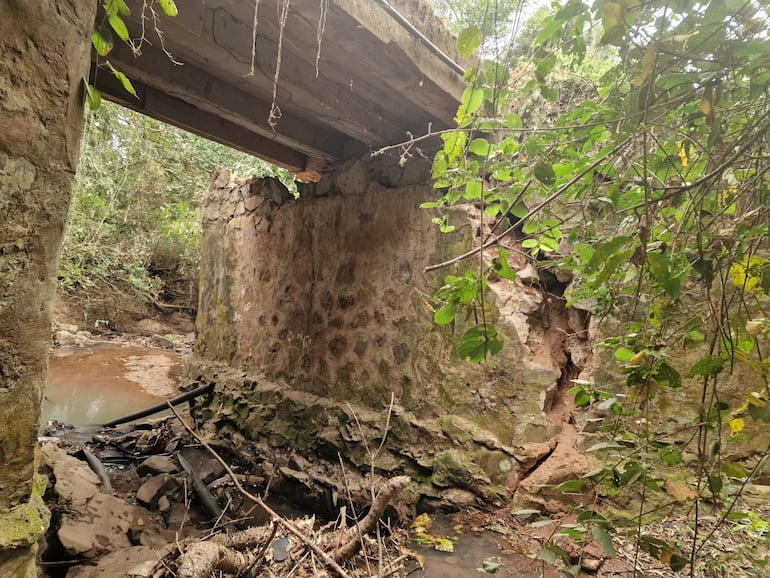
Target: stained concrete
<point>315,312</point>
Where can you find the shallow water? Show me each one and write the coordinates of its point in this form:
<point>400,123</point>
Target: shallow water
<point>97,384</point>
<point>470,550</point>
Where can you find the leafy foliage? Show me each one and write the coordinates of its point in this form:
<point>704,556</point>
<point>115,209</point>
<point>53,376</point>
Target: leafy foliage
<point>631,145</point>
<point>135,217</point>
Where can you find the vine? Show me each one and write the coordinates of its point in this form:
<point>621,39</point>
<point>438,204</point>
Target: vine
<point>630,147</point>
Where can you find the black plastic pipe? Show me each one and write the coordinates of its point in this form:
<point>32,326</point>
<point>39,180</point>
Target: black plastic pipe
<point>179,399</point>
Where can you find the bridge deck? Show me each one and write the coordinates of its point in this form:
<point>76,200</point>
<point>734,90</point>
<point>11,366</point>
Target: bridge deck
<point>377,77</point>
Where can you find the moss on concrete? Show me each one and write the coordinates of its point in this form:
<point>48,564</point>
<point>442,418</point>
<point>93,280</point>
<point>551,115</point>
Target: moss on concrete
<point>26,523</point>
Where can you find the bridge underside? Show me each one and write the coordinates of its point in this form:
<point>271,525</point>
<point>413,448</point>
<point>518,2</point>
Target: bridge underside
<point>370,81</point>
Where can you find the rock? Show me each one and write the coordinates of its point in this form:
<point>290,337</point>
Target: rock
<point>453,467</point>
<point>75,482</point>
<point>157,465</point>
<point>66,327</point>
<point>178,516</point>
<point>458,498</point>
<point>150,489</point>
<point>135,562</point>
<point>103,523</point>
<point>164,504</point>
<point>528,274</point>
<point>210,470</point>
<point>162,341</point>
<point>65,338</point>
<point>152,537</point>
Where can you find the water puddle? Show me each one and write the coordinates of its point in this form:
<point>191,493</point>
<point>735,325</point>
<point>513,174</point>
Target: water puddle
<point>483,553</point>
<point>97,384</point>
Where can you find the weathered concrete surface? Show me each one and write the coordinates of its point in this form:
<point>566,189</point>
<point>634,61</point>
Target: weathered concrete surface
<point>371,80</point>
<point>314,312</point>
<point>43,59</point>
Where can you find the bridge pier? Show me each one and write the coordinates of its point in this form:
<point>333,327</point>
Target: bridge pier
<point>315,313</point>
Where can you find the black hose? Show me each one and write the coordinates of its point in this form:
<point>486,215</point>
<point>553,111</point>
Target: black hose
<point>179,399</point>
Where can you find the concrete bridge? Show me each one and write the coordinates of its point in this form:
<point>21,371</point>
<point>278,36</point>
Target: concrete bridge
<point>355,75</point>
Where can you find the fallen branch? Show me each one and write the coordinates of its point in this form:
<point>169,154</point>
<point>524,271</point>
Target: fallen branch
<point>350,536</point>
<point>289,527</point>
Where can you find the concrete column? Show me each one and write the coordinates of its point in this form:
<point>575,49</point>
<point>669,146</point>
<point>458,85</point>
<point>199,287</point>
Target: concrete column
<point>44,57</point>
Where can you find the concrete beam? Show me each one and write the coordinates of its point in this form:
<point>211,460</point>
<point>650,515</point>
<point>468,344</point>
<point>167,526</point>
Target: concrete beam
<point>156,104</point>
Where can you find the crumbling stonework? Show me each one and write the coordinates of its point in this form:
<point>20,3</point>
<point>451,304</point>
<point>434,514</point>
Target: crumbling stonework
<point>315,311</point>
<point>43,59</point>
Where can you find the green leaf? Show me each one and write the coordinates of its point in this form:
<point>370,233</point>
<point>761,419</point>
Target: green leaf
<point>544,67</point>
<point>582,398</point>
<point>93,96</point>
<point>473,190</point>
<point>117,24</point>
<point>479,342</point>
<point>513,121</point>
<point>480,146</point>
<point>550,29</point>
<point>501,267</point>
<point>124,80</point>
<point>454,143</point>
<point>469,40</point>
<point>446,314</point>
<point>709,366</point>
<point>549,93</point>
<point>670,456</point>
<point>624,354</point>
<point>169,7</point>
<point>571,485</point>
<point>715,484</point>
<point>544,173</point>
<point>734,470</point>
<point>760,411</point>
<point>605,540</point>
<point>102,39</point>
<point>473,98</point>
<point>661,270</point>
<point>602,252</point>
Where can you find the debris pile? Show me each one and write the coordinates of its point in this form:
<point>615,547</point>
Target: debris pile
<point>157,500</point>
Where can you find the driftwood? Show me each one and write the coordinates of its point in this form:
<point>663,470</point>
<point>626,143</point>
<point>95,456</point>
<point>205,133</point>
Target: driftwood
<point>244,552</point>
<point>241,552</point>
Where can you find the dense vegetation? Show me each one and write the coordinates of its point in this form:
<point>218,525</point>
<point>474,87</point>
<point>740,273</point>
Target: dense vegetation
<point>134,226</point>
<point>627,142</point>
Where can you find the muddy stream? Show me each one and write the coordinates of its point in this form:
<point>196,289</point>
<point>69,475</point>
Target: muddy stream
<point>94,385</point>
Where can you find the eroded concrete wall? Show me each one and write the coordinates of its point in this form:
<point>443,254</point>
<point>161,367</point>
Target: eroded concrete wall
<point>43,59</point>
<point>314,312</point>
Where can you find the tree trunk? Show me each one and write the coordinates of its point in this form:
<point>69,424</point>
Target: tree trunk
<point>44,56</point>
